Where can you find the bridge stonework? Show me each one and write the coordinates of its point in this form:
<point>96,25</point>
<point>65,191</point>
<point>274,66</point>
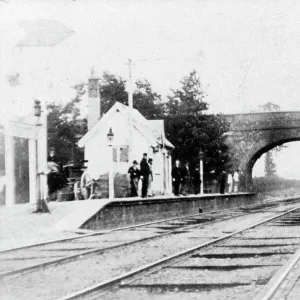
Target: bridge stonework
<point>253,134</point>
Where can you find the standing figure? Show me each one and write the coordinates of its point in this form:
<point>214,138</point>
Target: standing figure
<point>52,157</point>
<point>54,180</point>
<point>145,172</point>
<point>134,178</point>
<point>85,184</point>
<point>230,182</point>
<point>186,176</point>
<point>236,180</point>
<point>150,190</point>
<point>196,180</point>
<point>177,178</point>
<point>222,182</point>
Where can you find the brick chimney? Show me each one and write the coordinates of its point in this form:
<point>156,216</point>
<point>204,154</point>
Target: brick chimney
<point>93,100</point>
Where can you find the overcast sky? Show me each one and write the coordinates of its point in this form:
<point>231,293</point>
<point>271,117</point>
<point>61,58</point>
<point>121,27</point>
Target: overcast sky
<point>246,52</point>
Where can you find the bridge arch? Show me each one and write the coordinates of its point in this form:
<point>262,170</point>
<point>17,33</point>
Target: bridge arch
<point>248,162</point>
<point>252,135</point>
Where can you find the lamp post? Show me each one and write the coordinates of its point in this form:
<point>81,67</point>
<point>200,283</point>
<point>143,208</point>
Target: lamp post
<point>110,137</point>
<point>201,170</point>
<point>42,205</point>
<point>164,152</point>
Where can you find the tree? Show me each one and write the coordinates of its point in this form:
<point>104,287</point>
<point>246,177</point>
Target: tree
<point>113,88</point>
<point>190,128</point>
<point>189,99</point>
<point>270,166</point>
<point>147,102</point>
<point>65,127</point>
<point>269,106</point>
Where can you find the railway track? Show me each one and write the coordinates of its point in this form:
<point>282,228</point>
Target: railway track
<point>36,256</point>
<point>137,239</point>
<point>233,266</point>
<point>29,258</point>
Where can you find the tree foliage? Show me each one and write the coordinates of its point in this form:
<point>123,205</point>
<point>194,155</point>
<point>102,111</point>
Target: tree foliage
<point>270,166</point>
<point>190,128</point>
<point>113,88</point>
<point>270,106</point>
<point>189,99</point>
<point>147,102</point>
<point>65,127</point>
<point>187,124</point>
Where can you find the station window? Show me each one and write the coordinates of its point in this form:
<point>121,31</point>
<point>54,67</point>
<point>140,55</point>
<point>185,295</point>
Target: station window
<point>121,153</point>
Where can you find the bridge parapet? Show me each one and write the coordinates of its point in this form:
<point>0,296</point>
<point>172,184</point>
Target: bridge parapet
<point>264,121</point>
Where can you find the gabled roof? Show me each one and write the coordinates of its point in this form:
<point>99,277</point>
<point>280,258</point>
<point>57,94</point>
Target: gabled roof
<point>153,131</point>
<point>159,131</point>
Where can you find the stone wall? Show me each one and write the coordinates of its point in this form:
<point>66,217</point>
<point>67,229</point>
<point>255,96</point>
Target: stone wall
<point>121,186</point>
<point>131,212</point>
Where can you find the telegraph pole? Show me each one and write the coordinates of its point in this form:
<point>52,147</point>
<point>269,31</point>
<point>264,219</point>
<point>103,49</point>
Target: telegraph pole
<point>130,85</point>
<point>130,105</point>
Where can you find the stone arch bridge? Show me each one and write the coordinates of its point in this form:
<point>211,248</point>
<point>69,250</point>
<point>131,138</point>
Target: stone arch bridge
<point>253,134</point>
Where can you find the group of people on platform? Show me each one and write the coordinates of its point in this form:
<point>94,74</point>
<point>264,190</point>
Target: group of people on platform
<point>181,177</point>
<point>233,181</point>
<point>184,180</point>
<point>145,173</point>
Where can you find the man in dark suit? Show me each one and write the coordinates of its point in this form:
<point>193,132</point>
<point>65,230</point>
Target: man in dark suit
<point>145,172</point>
<point>196,180</point>
<point>186,177</point>
<point>177,177</point>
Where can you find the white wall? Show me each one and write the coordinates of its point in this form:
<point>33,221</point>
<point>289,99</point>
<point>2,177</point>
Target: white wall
<point>97,149</point>
<point>158,175</point>
<point>99,158</point>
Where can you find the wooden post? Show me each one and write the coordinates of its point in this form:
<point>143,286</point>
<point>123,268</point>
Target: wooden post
<point>201,176</point>
<point>10,198</point>
<point>42,154</point>
<point>111,175</point>
<point>130,105</point>
<point>32,171</point>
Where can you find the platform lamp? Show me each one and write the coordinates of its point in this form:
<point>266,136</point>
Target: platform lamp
<point>201,154</point>
<point>110,138</point>
<point>37,108</point>
<point>42,205</point>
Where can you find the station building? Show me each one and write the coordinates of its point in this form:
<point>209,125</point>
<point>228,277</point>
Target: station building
<point>133,136</point>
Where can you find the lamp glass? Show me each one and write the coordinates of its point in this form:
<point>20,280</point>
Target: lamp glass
<point>37,108</point>
<point>110,135</point>
<point>201,154</point>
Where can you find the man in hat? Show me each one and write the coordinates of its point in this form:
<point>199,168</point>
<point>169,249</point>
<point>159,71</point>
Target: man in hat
<point>134,178</point>
<point>145,173</point>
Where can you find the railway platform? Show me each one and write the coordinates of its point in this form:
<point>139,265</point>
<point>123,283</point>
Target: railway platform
<point>20,226</point>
